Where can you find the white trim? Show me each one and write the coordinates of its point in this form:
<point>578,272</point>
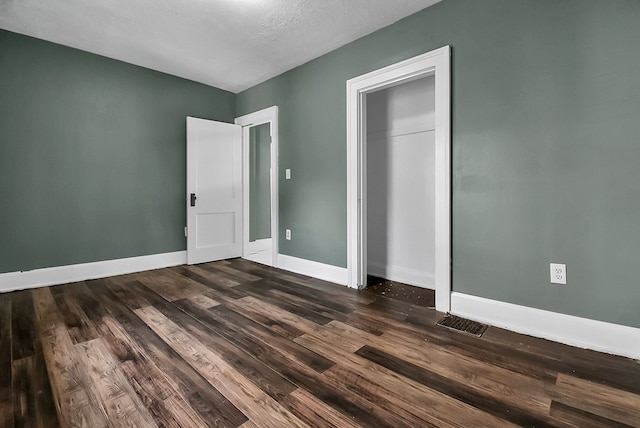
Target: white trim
<point>571,330</point>
<point>267,115</point>
<point>262,257</point>
<point>81,272</point>
<point>435,62</point>
<point>313,269</point>
<point>403,275</point>
<point>260,251</point>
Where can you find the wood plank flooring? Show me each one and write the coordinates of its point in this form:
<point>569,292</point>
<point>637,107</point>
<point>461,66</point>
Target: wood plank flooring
<point>237,344</point>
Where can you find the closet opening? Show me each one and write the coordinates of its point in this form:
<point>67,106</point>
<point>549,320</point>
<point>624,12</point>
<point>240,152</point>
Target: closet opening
<point>400,187</point>
<point>399,195</point>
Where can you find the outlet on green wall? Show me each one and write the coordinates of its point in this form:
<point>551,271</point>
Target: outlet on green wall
<point>545,137</point>
<point>92,155</point>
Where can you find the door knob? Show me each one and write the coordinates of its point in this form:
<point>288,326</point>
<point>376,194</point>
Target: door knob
<point>193,199</point>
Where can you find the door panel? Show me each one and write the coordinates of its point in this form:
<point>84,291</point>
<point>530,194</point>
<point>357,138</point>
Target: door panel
<point>214,175</point>
<point>215,229</point>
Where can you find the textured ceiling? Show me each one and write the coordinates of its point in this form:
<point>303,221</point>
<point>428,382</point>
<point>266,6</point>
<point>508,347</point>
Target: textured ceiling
<point>230,44</point>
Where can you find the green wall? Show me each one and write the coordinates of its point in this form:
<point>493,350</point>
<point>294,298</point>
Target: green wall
<point>546,147</point>
<point>92,155</point>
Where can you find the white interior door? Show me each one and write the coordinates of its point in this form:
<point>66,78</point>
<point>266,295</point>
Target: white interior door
<point>214,190</point>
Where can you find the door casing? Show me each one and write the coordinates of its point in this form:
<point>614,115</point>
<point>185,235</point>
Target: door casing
<point>267,115</point>
<point>438,63</point>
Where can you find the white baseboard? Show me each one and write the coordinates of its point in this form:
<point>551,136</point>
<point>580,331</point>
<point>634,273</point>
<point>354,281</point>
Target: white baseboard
<point>313,269</point>
<point>403,275</point>
<point>262,257</point>
<point>571,330</point>
<point>80,272</point>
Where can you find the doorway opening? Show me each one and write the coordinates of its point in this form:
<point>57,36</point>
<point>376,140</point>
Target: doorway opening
<point>398,172</point>
<point>400,152</point>
<point>260,185</point>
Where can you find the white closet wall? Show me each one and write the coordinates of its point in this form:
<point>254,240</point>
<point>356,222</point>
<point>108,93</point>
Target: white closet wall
<point>401,183</point>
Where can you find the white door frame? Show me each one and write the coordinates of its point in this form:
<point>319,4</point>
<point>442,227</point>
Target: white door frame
<point>267,115</point>
<point>435,62</point>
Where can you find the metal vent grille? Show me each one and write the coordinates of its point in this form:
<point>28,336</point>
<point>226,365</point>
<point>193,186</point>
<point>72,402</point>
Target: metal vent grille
<point>462,324</point>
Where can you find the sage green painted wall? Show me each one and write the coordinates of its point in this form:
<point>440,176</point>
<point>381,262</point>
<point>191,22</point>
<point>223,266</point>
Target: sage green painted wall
<point>546,147</point>
<point>92,155</point>
<point>260,182</point>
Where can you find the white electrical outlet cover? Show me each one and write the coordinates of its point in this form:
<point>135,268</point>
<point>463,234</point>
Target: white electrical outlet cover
<point>558,273</point>
<point>287,174</point>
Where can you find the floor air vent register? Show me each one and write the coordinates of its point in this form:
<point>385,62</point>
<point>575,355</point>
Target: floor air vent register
<point>464,325</point>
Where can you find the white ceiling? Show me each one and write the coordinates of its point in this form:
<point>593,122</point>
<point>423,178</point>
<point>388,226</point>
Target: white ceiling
<point>230,44</point>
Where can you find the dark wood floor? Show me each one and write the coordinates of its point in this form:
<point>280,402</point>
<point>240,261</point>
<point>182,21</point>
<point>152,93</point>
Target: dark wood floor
<point>238,344</point>
<point>398,291</point>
